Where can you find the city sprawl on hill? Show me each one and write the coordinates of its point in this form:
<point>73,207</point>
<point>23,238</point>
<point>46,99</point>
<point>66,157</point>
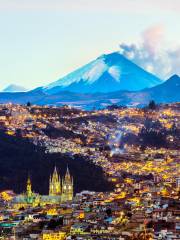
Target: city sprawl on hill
<point>116,172</point>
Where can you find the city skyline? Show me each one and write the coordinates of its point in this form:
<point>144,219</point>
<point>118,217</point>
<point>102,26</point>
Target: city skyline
<point>43,41</point>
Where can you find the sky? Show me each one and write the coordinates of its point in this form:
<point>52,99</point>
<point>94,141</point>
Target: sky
<point>43,40</point>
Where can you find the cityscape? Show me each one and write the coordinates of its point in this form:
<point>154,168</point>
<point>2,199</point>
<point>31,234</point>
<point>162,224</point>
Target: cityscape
<point>138,150</point>
<point>89,120</point>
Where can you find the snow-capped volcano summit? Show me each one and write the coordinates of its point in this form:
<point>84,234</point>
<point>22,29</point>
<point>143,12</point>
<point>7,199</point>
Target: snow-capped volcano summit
<point>108,73</point>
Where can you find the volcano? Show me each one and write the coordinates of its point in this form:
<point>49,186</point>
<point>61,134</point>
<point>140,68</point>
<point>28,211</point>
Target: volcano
<point>108,73</point>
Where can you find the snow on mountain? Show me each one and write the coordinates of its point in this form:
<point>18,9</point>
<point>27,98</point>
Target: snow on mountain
<point>89,73</point>
<point>108,73</point>
<point>14,88</point>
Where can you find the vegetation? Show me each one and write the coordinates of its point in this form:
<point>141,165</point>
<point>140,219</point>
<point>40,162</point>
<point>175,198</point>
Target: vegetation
<point>152,105</point>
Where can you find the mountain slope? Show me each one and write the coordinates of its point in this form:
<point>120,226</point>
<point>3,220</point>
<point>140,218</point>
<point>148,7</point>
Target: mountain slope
<point>22,97</point>
<point>108,73</point>
<point>14,88</point>
<point>167,92</point>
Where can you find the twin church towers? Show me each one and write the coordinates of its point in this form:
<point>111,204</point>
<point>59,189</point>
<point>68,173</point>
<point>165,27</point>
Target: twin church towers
<point>61,187</point>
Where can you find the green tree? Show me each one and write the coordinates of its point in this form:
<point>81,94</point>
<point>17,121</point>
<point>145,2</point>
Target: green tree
<point>28,104</point>
<point>152,105</point>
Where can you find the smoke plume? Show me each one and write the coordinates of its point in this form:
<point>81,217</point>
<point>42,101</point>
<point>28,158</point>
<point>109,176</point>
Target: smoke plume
<point>150,55</point>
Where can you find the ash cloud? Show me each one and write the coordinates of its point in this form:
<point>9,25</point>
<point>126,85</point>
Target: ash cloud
<point>150,55</point>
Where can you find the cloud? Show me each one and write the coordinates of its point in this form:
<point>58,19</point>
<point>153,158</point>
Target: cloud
<point>152,38</point>
<point>150,55</point>
<point>128,6</point>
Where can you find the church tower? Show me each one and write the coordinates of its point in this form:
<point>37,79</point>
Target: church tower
<point>29,194</point>
<point>29,188</point>
<point>55,184</point>
<point>67,187</point>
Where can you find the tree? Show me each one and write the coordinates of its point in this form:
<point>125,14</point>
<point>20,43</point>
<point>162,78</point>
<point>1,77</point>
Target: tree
<point>28,104</point>
<point>152,105</point>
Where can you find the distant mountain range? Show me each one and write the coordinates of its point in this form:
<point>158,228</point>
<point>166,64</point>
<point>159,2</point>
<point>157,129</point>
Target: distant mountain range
<point>166,92</point>
<point>110,79</point>
<point>14,88</point>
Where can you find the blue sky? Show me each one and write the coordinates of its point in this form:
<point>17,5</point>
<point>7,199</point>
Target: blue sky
<point>41,41</point>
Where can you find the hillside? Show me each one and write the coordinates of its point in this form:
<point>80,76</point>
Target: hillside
<point>19,158</point>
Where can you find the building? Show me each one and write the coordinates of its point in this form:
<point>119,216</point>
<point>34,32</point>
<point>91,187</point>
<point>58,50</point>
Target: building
<point>67,187</point>
<point>178,182</point>
<point>26,199</point>
<point>58,192</point>
<point>64,188</point>
<point>55,184</point>
<point>53,235</point>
